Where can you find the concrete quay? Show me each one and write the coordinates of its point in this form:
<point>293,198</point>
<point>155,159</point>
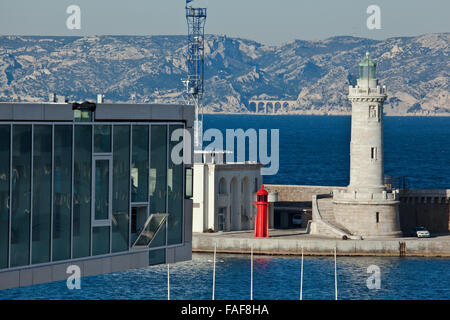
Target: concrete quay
<point>290,242</point>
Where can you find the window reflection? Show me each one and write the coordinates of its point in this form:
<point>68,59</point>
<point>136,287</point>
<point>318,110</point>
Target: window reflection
<point>42,191</point>
<point>4,193</point>
<point>175,195</point>
<point>82,191</point>
<point>121,188</point>
<point>62,199</point>
<point>21,195</point>
<point>139,164</point>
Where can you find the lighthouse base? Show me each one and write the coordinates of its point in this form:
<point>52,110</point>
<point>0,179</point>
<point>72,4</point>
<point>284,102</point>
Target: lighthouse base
<point>343,215</point>
<point>369,219</point>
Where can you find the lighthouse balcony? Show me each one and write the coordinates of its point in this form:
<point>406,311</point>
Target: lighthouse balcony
<point>359,90</point>
<point>354,195</point>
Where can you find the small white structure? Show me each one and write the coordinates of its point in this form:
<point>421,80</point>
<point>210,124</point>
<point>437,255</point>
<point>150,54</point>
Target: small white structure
<point>224,193</point>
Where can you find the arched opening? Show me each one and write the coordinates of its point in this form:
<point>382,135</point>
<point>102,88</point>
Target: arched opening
<point>252,107</point>
<point>261,107</point>
<point>222,186</point>
<point>276,107</point>
<point>285,107</point>
<point>246,204</point>
<point>235,214</point>
<point>269,107</point>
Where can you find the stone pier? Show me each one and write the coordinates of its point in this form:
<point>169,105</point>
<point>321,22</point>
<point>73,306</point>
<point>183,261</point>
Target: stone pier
<point>290,242</point>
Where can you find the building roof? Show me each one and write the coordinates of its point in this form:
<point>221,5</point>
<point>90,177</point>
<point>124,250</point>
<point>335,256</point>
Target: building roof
<point>48,111</point>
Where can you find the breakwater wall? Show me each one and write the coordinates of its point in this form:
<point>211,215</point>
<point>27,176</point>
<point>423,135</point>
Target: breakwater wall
<point>418,207</point>
<point>434,247</point>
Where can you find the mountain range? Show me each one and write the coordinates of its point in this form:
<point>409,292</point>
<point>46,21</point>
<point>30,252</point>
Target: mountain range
<point>150,69</point>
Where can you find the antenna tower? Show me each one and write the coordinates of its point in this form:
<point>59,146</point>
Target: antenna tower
<point>196,19</point>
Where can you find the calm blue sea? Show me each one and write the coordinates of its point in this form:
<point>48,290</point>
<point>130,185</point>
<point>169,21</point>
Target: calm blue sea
<point>274,278</point>
<point>314,150</point>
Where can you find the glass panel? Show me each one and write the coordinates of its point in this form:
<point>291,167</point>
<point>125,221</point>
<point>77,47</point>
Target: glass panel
<point>100,240</point>
<point>42,193</point>
<point>138,220</point>
<point>139,164</point>
<point>156,257</point>
<point>175,195</point>
<point>221,218</point>
<point>101,189</point>
<point>158,169</point>
<point>62,188</point>
<point>133,221</point>
<point>160,238</point>
<point>21,196</point>
<point>121,188</point>
<point>102,138</point>
<point>189,184</point>
<point>153,224</point>
<point>367,71</point>
<point>4,194</point>
<point>82,191</point>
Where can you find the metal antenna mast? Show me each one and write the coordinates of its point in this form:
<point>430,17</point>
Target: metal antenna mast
<point>196,19</point>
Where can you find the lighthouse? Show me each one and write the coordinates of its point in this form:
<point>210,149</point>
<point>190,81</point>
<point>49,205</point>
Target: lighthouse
<point>262,215</point>
<point>365,208</point>
<point>366,145</point>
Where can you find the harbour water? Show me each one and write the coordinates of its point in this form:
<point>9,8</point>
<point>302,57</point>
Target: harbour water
<point>314,150</point>
<point>275,278</point>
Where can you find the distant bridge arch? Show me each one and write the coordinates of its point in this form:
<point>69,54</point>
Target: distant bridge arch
<point>271,106</point>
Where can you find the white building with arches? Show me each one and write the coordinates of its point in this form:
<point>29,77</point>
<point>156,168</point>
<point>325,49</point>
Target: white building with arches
<point>224,193</point>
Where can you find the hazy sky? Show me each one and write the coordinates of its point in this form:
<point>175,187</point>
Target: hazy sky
<point>271,22</point>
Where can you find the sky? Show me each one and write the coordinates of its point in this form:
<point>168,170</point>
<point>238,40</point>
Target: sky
<point>269,22</point>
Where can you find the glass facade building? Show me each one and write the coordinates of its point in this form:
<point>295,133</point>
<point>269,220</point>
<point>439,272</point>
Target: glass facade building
<point>83,191</point>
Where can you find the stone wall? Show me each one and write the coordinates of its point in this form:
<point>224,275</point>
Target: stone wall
<point>361,219</point>
<point>434,247</point>
<point>426,208</point>
<point>295,193</point>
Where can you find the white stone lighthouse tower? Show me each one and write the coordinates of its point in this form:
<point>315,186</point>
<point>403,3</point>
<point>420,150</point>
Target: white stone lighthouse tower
<point>366,145</point>
<point>366,208</point>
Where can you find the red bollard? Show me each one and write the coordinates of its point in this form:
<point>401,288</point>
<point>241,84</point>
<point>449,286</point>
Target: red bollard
<point>262,215</point>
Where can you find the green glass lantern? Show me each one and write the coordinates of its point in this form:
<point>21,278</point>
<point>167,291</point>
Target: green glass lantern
<point>367,68</point>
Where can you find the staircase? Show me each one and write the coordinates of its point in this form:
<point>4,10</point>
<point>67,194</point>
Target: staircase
<point>324,219</point>
<point>325,206</point>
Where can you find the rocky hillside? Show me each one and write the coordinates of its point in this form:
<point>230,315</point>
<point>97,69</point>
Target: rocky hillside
<point>315,74</point>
